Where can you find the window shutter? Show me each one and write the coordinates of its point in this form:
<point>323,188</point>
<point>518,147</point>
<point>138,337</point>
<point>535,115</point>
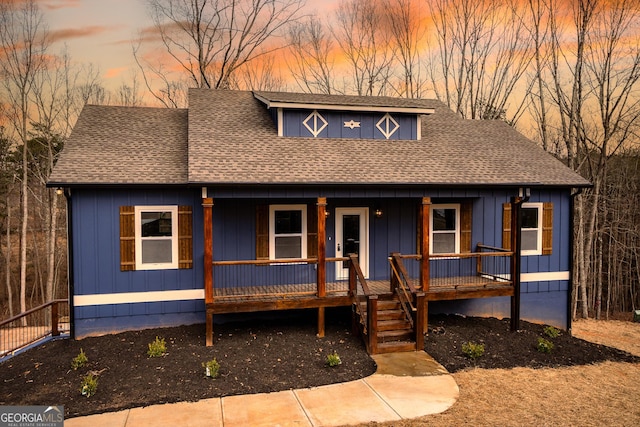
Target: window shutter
<point>465,227</point>
<point>312,231</point>
<point>127,238</point>
<point>547,228</point>
<point>262,232</point>
<point>185,237</point>
<point>506,226</point>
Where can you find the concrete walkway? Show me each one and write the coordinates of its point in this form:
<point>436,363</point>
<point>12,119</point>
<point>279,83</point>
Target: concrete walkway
<point>405,385</point>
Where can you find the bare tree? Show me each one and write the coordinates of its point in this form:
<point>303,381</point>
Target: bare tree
<point>312,65</point>
<point>480,56</point>
<point>210,40</point>
<point>595,69</point>
<point>361,35</point>
<point>23,41</point>
<point>408,36</point>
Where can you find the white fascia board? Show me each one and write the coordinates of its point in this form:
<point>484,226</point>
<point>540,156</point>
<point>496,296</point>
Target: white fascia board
<point>339,107</point>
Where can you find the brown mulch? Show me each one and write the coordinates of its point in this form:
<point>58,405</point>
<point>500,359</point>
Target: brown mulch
<point>257,355</point>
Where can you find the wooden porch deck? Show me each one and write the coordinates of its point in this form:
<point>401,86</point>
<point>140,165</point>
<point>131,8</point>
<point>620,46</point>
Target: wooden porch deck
<point>304,295</point>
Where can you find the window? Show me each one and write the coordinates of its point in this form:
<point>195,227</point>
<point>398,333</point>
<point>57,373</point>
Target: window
<point>156,236</point>
<point>531,236</point>
<point>445,229</point>
<point>537,228</point>
<point>287,231</point>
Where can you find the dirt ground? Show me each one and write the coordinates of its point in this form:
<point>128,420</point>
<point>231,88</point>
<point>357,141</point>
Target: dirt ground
<point>601,394</point>
<point>268,355</point>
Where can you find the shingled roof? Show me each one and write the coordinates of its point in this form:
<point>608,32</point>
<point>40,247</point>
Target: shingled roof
<point>232,139</point>
<point>125,145</point>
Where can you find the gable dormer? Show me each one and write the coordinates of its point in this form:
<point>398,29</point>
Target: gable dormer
<point>352,117</point>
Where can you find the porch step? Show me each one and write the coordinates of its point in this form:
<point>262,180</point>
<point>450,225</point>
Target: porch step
<point>393,332</point>
<point>392,325</point>
<point>388,304</point>
<point>395,335</point>
<point>390,315</point>
<point>396,347</point>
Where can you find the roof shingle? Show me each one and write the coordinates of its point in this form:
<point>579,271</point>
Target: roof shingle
<point>231,139</point>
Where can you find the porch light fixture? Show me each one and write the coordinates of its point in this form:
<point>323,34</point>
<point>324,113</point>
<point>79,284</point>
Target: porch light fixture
<point>378,213</point>
<point>327,214</point>
<point>59,191</point>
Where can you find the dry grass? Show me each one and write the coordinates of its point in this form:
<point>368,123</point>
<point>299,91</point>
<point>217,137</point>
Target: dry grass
<point>594,395</point>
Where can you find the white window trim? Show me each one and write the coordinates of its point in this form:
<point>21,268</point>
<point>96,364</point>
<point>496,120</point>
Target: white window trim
<point>272,229</point>
<point>455,206</point>
<point>538,250</point>
<point>174,238</point>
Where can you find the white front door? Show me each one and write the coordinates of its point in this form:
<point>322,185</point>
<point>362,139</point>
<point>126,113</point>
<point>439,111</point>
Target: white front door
<point>352,237</point>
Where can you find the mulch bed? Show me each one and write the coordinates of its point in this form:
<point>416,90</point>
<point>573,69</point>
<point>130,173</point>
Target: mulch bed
<point>258,355</point>
<point>506,349</point>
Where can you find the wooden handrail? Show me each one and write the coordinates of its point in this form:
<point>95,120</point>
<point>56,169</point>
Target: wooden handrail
<point>471,255</point>
<point>31,311</point>
<point>276,261</point>
<point>356,266</point>
<point>406,290</point>
<point>492,248</point>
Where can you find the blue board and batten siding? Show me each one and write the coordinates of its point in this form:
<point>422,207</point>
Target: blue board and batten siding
<point>97,258</point>
<point>339,125</point>
<point>96,267</point>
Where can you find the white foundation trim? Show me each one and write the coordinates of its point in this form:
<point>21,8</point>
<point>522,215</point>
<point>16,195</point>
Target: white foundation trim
<point>545,277</point>
<point>137,297</point>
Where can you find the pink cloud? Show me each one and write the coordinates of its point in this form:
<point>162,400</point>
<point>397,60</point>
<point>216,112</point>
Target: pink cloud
<point>60,4</point>
<point>72,33</point>
<point>114,72</point>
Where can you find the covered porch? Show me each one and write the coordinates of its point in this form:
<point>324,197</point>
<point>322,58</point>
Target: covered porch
<point>390,313</point>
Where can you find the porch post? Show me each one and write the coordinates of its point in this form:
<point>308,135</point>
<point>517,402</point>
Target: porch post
<point>322,247</point>
<point>207,208</point>
<point>322,258</point>
<point>424,243</point>
<point>516,203</point>
<point>425,221</point>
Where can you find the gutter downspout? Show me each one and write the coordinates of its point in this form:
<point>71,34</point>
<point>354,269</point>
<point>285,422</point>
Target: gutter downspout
<point>572,202</point>
<point>70,276</point>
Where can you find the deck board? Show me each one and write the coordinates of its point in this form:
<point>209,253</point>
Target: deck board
<point>278,297</point>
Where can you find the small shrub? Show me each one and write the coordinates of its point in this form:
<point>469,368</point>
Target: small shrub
<point>552,332</point>
<point>79,361</point>
<point>333,359</point>
<point>472,350</point>
<point>211,368</point>
<point>157,348</point>
<point>544,345</point>
<point>89,385</point>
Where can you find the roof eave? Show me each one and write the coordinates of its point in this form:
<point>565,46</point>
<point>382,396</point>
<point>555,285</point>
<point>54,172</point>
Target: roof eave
<point>339,107</point>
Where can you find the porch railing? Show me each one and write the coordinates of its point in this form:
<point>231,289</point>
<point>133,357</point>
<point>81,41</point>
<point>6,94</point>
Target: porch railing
<point>366,303</point>
<point>49,319</point>
<point>272,278</point>
<point>411,299</point>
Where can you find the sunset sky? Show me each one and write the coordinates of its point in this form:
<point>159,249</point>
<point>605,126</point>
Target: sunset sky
<point>101,32</point>
<point>98,32</point>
